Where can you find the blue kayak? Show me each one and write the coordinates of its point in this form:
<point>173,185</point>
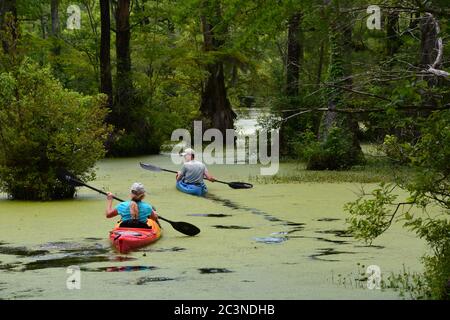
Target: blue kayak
<point>194,189</point>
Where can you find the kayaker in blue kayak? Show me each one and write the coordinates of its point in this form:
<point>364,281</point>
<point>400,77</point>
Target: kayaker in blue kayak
<point>190,177</point>
<point>133,213</point>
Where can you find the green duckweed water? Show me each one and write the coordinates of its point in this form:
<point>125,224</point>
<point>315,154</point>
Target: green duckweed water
<point>275,241</point>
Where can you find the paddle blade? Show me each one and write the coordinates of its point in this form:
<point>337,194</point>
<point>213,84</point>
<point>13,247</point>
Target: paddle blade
<point>65,176</point>
<point>183,227</point>
<point>150,167</point>
<point>186,228</point>
<point>240,185</point>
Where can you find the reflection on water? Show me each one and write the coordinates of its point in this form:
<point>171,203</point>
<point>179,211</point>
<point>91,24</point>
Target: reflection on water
<point>270,240</point>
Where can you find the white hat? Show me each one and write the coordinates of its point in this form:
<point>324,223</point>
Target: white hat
<point>138,188</point>
<point>188,151</point>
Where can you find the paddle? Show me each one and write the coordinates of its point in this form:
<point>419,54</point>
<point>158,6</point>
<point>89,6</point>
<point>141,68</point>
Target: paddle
<point>234,185</point>
<point>183,227</point>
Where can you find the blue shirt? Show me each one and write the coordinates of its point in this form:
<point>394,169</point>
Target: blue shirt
<point>145,210</point>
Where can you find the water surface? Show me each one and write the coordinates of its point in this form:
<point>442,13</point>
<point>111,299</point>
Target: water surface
<point>275,241</point>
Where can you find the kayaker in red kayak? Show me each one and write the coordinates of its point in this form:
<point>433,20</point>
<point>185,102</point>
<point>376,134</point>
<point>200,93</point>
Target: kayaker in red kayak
<point>190,177</point>
<point>134,213</point>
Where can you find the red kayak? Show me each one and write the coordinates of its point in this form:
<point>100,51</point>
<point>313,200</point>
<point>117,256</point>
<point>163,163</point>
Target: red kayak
<point>127,239</point>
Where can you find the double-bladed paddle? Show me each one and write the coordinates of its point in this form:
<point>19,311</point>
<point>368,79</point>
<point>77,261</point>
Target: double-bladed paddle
<point>183,227</point>
<point>234,185</point>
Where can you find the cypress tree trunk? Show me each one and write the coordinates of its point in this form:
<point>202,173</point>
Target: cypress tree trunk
<point>54,5</point>
<point>339,74</point>
<point>105,53</point>
<point>294,60</point>
<point>9,26</point>
<point>57,65</point>
<point>215,106</point>
<point>124,85</point>
<point>392,33</point>
<point>294,56</point>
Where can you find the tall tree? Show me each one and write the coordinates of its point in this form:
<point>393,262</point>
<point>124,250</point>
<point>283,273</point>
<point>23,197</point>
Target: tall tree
<point>124,85</point>
<point>342,125</point>
<point>54,7</point>
<point>106,86</point>
<point>393,41</point>
<point>294,55</point>
<point>294,58</point>
<point>215,106</point>
<point>8,26</point>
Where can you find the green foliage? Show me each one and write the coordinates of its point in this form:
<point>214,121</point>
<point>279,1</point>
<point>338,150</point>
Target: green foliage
<point>437,274</point>
<point>371,217</point>
<point>430,159</point>
<point>397,152</point>
<point>335,153</point>
<point>429,186</point>
<point>43,127</point>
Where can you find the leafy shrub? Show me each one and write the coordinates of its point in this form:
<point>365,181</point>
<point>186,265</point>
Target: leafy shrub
<point>334,153</point>
<point>428,186</point>
<point>396,151</point>
<point>42,127</point>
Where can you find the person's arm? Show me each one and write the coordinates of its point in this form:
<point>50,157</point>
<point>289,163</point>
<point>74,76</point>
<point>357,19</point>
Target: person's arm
<point>181,173</point>
<point>154,215</point>
<point>110,211</point>
<point>208,176</point>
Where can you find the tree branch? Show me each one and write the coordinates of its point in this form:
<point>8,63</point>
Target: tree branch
<point>440,48</point>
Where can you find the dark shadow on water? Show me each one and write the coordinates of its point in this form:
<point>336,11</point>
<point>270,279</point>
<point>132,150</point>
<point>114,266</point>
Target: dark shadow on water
<point>144,280</point>
<point>68,260</point>
<point>213,270</point>
<point>230,227</point>
<point>294,226</point>
<point>21,251</point>
<point>173,249</point>
<point>320,239</point>
<point>210,215</point>
<point>337,233</point>
<point>72,246</point>
<point>120,269</point>
<point>327,252</point>
<point>332,241</point>
<point>8,266</point>
<point>230,204</point>
<point>370,246</point>
<point>60,255</point>
<point>328,219</point>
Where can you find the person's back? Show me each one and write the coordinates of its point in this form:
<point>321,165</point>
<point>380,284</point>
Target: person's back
<point>125,211</point>
<point>190,177</point>
<point>193,172</point>
<point>135,212</point>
